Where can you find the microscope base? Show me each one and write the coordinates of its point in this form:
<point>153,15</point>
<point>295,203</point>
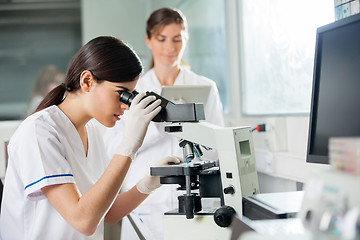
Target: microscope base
<point>200,227</point>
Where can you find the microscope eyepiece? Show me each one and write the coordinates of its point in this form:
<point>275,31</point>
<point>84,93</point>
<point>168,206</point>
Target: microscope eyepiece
<point>127,97</point>
<point>170,112</point>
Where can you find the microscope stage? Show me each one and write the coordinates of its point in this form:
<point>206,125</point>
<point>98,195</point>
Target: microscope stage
<point>182,169</point>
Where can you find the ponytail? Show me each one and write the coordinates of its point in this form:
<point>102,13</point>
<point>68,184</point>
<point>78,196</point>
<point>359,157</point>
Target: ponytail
<point>54,97</point>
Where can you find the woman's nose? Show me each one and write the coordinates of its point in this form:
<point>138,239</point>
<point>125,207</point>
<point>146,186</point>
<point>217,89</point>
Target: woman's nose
<point>170,46</point>
<point>124,106</point>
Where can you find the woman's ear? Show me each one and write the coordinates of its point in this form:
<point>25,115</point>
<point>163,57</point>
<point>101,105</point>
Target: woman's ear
<point>147,41</point>
<point>86,80</point>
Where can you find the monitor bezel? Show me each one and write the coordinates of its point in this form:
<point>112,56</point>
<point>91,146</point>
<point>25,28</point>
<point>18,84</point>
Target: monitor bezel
<point>312,158</point>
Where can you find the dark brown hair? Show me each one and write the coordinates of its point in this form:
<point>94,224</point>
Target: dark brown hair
<point>106,57</point>
<point>161,18</point>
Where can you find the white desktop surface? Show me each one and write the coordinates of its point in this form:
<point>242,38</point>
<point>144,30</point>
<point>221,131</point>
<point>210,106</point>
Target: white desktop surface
<point>306,236</point>
<point>286,201</point>
<point>258,236</point>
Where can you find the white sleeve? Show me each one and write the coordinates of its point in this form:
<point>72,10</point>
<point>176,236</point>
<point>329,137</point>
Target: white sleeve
<point>41,159</point>
<point>214,109</point>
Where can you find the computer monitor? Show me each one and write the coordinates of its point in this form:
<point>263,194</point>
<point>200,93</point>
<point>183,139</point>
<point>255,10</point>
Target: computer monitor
<point>335,105</point>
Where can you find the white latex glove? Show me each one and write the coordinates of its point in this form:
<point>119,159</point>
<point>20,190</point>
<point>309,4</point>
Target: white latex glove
<point>150,183</point>
<point>136,123</point>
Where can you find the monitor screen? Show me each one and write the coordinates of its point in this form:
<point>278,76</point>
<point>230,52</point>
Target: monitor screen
<point>335,110</point>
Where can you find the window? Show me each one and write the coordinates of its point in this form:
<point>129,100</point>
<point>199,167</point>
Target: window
<point>277,52</point>
<point>206,50</point>
<point>33,35</point>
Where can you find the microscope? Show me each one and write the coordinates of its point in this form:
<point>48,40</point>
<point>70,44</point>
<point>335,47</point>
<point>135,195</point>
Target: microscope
<point>228,179</point>
<point>231,178</point>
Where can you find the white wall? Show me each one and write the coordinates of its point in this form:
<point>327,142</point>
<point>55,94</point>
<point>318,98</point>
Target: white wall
<point>116,18</point>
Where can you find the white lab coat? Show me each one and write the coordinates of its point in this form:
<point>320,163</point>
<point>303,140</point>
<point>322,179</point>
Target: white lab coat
<point>45,150</point>
<point>157,145</point>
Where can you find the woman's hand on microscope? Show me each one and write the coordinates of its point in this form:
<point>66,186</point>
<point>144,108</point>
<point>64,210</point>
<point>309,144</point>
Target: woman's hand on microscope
<point>149,183</point>
<point>142,110</point>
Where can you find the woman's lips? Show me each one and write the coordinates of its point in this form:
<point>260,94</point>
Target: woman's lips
<point>117,116</point>
<point>169,56</point>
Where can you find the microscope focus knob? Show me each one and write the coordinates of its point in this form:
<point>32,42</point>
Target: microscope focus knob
<point>229,190</point>
<point>223,216</point>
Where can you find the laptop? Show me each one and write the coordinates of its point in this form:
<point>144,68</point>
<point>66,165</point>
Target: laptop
<point>186,93</point>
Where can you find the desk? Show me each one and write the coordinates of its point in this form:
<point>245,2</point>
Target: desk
<point>272,205</point>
